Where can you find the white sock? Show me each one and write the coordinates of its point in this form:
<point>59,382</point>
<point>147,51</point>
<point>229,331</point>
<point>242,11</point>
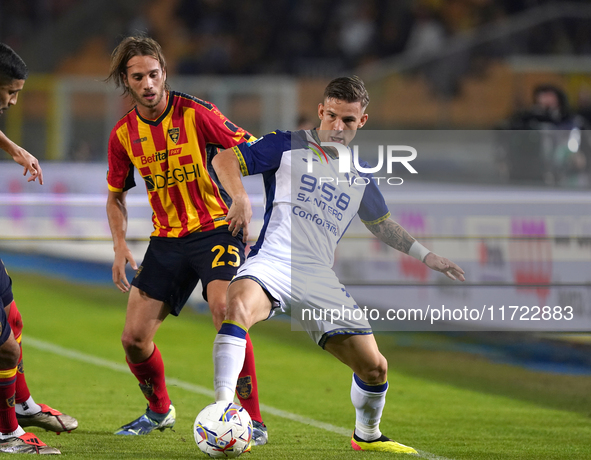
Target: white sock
<point>29,407</point>
<point>15,434</point>
<point>369,405</point>
<point>228,359</point>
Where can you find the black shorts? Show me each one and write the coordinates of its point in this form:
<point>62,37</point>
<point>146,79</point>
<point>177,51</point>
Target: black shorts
<point>6,299</point>
<point>172,267</point>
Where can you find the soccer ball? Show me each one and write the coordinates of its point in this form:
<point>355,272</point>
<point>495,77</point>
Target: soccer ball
<point>223,430</point>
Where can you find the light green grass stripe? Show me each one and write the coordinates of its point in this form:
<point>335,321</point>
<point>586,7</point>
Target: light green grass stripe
<point>171,381</point>
<point>89,359</point>
<point>73,354</point>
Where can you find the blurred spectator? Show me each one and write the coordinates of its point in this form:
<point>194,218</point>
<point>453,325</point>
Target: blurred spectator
<point>20,20</point>
<point>427,39</point>
<point>358,30</point>
<point>311,38</point>
<point>427,36</point>
<point>396,21</point>
<point>552,145</point>
<point>584,103</point>
<point>308,37</point>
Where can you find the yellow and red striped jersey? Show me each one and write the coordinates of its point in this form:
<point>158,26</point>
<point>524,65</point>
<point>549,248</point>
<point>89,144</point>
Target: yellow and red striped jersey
<point>171,155</point>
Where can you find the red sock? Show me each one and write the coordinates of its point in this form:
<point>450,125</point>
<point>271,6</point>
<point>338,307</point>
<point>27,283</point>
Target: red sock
<point>16,324</point>
<point>150,374</point>
<point>8,422</point>
<point>22,390</point>
<point>247,388</point>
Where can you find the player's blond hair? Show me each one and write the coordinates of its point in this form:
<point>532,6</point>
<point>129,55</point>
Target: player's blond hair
<point>348,89</point>
<point>139,45</point>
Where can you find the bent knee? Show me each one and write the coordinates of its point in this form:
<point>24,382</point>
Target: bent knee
<point>14,318</point>
<point>9,354</point>
<point>218,312</point>
<point>237,309</point>
<point>375,372</point>
<point>133,343</point>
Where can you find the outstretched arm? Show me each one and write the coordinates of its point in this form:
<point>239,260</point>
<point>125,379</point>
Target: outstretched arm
<point>397,237</point>
<point>227,168</point>
<point>23,158</point>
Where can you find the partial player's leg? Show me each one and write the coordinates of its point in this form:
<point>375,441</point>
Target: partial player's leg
<point>9,352</point>
<point>247,304</point>
<point>28,412</point>
<point>144,317</point>
<point>13,438</point>
<point>368,390</point>
<point>247,387</point>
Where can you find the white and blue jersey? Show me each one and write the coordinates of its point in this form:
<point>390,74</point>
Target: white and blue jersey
<point>307,212</point>
<point>309,206</point>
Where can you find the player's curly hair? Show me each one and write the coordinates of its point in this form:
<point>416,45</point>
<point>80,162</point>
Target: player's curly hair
<point>12,67</point>
<point>138,45</point>
<point>348,89</point>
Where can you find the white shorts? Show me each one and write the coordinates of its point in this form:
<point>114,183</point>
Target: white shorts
<point>314,298</point>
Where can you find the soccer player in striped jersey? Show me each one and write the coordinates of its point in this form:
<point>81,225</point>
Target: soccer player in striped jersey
<point>17,407</point>
<point>170,137</point>
<point>289,270</point>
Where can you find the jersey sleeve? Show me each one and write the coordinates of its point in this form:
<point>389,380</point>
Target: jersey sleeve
<point>120,174</point>
<point>218,130</point>
<point>263,154</point>
<point>373,208</point>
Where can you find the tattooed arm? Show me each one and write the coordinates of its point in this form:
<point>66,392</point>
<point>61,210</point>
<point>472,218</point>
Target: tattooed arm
<point>394,235</point>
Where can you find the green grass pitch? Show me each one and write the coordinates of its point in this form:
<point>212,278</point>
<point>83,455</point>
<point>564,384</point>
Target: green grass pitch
<point>448,405</point>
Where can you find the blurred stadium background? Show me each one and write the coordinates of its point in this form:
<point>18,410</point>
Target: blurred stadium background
<point>518,223</point>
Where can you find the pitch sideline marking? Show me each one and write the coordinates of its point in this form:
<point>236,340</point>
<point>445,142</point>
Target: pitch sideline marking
<point>100,362</point>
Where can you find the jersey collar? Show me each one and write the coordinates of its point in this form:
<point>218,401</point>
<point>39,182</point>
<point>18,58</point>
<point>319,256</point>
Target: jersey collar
<point>170,97</point>
<point>330,151</point>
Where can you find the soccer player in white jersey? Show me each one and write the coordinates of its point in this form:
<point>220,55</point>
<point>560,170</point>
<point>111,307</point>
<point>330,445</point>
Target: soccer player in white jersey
<point>290,267</point>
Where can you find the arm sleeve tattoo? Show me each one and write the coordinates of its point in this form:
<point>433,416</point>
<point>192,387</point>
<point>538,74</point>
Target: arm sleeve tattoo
<point>392,234</point>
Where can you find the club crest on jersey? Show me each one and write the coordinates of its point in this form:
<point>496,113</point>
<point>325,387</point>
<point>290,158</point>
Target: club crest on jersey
<point>174,134</point>
<point>244,386</point>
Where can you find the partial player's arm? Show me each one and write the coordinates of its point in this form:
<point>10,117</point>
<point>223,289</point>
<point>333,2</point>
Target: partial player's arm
<point>218,130</point>
<point>227,168</point>
<point>397,237</point>
<point>117,215</point>
<point>245,159</point>
<point>23,158</point>
<point>120,179</point>
<point>374,213</point>
<point>392,234</point>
